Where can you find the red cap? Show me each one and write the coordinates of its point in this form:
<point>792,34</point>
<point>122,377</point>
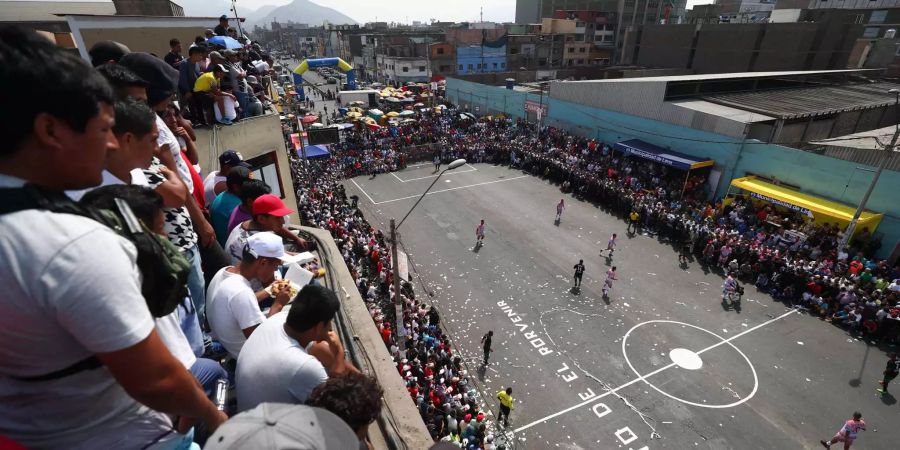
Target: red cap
<point>271,205</point>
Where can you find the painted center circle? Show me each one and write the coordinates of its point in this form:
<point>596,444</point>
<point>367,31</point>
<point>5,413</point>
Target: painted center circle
<point>686,359</point>
<point>690,360</point>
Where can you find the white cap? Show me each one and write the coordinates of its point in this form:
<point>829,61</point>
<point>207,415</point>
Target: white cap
<point>266,245</point>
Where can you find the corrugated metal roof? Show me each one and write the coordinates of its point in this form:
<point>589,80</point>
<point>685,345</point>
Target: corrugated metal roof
<point>810,101</point>
<point>722,76</point>
<point>738,115</point>
<point>865,147</point>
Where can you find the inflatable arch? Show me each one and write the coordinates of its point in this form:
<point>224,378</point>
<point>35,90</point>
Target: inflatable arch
<point>307,64</point>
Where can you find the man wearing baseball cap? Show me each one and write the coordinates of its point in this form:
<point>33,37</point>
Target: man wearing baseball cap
<point>268,215</point>
<point>277,426</point>
<point>223,205</point>
<point>214,183</point>
<point>222,28</point>
<point>232,308</point>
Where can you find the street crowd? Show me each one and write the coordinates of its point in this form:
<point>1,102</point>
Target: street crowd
<point>435,376</point>
<point>793,259</point>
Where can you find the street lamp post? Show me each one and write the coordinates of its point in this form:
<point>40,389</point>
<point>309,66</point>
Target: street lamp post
<point>888,151</point>
<point>395,260</point>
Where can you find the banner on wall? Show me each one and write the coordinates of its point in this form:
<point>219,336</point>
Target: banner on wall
<point>536,107</point>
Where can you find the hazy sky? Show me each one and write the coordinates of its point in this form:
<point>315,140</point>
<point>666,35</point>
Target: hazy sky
<point>408,10</point>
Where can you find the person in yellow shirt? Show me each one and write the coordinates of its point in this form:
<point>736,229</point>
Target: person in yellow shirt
<point>208,89</point>
<point>506,405</point>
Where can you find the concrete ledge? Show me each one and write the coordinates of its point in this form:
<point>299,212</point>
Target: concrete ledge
<point>400,424</point>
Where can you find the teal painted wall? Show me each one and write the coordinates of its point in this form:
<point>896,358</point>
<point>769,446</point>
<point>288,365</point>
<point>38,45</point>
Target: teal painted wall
<point>832,178</point>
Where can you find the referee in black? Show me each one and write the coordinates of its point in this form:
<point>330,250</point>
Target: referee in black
<point>486,340</point>
<point>579,271</point>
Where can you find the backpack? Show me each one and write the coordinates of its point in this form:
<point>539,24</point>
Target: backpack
<point>163,268</point>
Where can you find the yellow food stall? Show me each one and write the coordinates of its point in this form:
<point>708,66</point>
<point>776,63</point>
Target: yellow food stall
<point>809,206</point>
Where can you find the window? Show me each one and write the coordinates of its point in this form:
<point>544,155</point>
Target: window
<point>461,67</point>
<point>265,168</point>
<point>581,50</point>
<point>440,50</point>
<point>513,51</point>
<point>421,68</point>
<point>470,67</point>
<point>495,66</point>
<point>479,66</point>
<point>406,69</point>
<point>502,65</point>
<point>571,50</point>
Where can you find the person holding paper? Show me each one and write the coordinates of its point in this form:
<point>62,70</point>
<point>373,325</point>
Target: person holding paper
<point>232,306</point>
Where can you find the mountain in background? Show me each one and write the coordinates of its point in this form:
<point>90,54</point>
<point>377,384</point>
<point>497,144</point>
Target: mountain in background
<point>300,11</point>
<point>255,16</point>
<point>303,11</point>
<point>207,8</point>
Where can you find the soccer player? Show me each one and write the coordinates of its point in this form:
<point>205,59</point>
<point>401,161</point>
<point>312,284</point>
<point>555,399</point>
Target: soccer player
<point>848,432</point>
<point>610,277</point>
<point>560,207</point>
<point>479,233</point>
<point>579,271</point>
<point>610,245</point>
<point>890,372</point>
<point>486,340</point>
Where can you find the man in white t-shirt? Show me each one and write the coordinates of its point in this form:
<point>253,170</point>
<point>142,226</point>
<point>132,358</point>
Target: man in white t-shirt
<point>81,365</point>
<point>292,353</point>
<point>214,183</point>
<point>232,308</point>
<point>136,134</point>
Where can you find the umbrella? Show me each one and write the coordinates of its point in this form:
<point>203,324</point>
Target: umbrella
<point>357,103</point>
<point>392,99</point>
<point>407,113</point>
<point>225,41</point>
<point>408,107</point>
<point>310,118</point>
<point>419,105</point>
<point>408,121</point>
<point>317,125</point>
<point>354,115</point>
<point>392,114</point>
<point>376,112</point>
<point>440,107</point>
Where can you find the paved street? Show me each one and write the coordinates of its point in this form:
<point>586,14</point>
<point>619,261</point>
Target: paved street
<point>661,366</point>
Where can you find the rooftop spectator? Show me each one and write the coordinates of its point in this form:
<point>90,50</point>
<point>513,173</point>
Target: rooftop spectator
<point>174,57</point>
<point>354,397</point>
<point>98,375</point>
<point>250,191</point>
<point>214,183</point>
<point>234,311</point>
<point>223,205</point>
<point>275,426</point>
<point>222,28</point>
<point>105,52</point>
<point>293,352</point>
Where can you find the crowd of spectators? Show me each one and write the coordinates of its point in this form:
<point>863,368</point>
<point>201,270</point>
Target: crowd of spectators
<point>435,376</point>
<point>794,259</point>
<point>105,209</point>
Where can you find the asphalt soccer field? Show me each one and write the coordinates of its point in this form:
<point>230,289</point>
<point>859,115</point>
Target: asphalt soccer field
<point>659,365</point>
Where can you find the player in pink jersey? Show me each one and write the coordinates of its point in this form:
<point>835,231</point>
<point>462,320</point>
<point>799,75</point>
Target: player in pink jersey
<point>848,432</point>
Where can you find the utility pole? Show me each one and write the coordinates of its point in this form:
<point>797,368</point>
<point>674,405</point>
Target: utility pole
<point>888,151</point>
<point>395,265</point>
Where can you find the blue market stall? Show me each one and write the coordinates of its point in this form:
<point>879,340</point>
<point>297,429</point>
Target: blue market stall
<point>645,150</point>
<point>316,151</point>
